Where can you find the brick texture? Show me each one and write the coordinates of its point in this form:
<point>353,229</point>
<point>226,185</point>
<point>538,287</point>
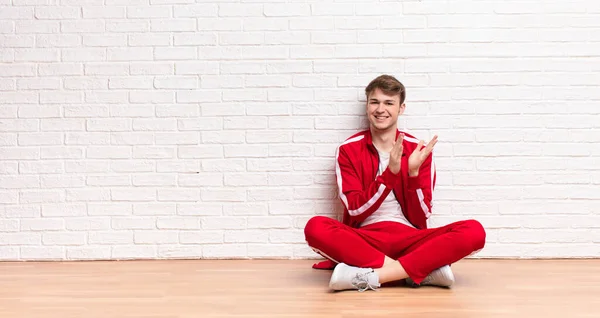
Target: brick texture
<point>187,129</point>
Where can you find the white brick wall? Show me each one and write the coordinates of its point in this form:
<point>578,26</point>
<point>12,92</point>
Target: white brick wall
<point>188,129</point>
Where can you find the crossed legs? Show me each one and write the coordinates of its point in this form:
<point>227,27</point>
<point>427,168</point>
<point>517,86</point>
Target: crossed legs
<point>395,251</point>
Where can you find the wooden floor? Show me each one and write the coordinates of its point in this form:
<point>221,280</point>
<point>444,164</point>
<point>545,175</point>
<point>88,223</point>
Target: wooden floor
<point>253,288</point>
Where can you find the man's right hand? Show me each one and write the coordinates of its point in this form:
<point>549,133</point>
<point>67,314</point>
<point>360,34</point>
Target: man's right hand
<point>396,155</point>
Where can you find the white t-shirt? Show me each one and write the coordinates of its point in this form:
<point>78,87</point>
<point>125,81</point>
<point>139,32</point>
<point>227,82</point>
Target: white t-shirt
<point>390,209</point>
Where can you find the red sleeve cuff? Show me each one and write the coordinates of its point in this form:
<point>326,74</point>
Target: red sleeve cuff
<point>389,179</point>
<point>415,183</point>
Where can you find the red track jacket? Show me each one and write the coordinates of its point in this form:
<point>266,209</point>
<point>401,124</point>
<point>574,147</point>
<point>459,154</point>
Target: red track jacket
<point>361,192</point>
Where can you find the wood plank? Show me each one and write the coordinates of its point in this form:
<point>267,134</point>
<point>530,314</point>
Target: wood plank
<point>284,288</point>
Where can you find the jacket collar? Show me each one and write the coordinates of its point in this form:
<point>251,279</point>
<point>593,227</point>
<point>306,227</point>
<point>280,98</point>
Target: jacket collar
<point>369,140</point>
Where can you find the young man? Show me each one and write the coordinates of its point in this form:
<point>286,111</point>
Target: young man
<point>385,181</point>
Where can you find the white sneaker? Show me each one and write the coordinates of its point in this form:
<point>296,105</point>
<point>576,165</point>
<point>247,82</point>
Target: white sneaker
<point>442,277</point>
<point>350,277</point>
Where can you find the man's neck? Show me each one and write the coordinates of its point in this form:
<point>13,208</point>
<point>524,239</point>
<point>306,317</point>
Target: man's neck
<point>383,140</point>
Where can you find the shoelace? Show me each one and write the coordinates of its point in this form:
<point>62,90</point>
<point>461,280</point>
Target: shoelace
<point>361,282</point>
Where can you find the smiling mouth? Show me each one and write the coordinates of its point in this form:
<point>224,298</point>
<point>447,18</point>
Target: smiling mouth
<point>381,117</point>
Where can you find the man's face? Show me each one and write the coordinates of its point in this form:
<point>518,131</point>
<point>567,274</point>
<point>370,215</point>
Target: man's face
<point>383,110</point>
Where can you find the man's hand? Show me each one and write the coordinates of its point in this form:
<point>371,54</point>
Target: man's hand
<point>396,154</point>
<point>418,156</point>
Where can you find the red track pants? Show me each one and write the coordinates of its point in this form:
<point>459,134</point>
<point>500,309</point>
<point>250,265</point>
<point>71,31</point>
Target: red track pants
<point>418,251</point>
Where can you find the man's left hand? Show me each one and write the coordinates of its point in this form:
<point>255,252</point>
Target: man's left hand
<point>419,155</point>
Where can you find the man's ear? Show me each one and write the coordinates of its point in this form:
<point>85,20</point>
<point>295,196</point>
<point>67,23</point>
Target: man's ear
<point>401,109</point>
